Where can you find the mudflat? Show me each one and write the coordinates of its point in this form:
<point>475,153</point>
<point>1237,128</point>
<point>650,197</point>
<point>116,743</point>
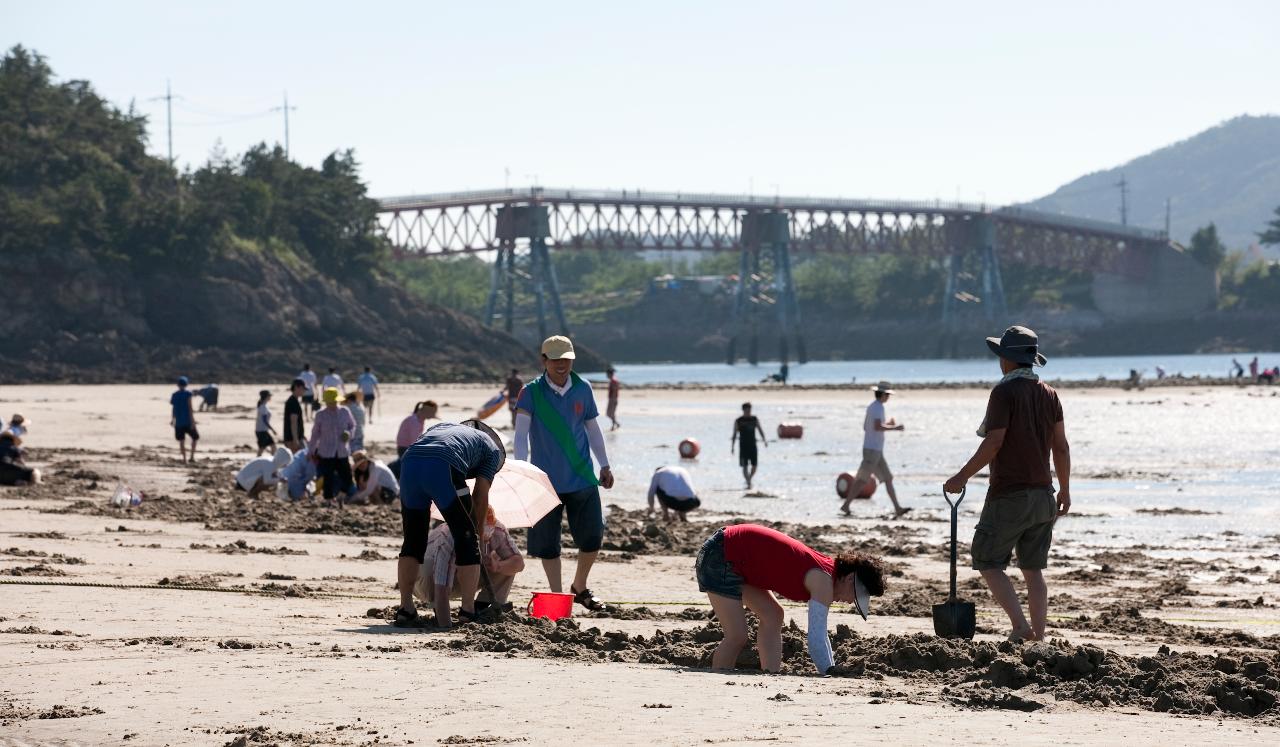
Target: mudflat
<point>201,617</point>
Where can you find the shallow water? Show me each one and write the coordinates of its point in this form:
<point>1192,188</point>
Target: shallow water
<point>1206,449</point>
<point>1080,368</point>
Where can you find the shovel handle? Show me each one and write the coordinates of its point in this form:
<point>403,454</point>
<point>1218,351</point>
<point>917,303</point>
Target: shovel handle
<point>956,503</point>
<point>955,510</point>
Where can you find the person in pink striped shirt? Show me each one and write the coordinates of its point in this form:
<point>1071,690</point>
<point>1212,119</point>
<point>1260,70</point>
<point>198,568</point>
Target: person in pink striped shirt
<point>412,427</point>
<point>330,435</point>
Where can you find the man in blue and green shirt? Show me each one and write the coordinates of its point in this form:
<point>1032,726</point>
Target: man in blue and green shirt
<point>556,430</point>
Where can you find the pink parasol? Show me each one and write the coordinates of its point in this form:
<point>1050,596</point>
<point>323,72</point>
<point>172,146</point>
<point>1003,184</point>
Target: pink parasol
<point>521,494</point>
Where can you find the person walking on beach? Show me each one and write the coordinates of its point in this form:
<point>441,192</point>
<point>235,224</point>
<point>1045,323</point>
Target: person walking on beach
<point>674,491</point>
<point>352,403</point>
<point>741,564</point>
<point>514,385</point>
<point>367,383</point>
<point>330,435</point>
<point>262,423</point>
<point>1023,426</point>
<point>745,429</point>
<point>874,425</point>
<point>333,380</point>
<point>556,422</point>
<point>183,419</point>
<point>294,431</point>
<point>435,470</point>
<point>308,378</point>
<point>611,407</point>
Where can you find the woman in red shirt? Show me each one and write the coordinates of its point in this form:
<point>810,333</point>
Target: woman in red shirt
<point>741,564</point>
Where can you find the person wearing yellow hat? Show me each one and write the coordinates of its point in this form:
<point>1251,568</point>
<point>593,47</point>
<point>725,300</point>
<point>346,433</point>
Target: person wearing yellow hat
<point>330,436</point>
<point>556,429</point>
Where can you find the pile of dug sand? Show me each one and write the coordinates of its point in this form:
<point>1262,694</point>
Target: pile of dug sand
<point>978,674</point>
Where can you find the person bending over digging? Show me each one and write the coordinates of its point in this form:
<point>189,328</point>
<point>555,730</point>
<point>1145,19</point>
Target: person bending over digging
<point>741,564</point>
<point>435,470</point>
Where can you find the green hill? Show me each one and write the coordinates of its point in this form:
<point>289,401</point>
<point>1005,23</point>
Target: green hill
<point>1228,175</point>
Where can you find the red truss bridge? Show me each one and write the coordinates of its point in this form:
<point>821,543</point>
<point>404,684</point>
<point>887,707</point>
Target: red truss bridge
<point>522,226</point>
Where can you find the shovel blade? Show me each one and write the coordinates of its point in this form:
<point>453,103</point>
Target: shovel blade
<point>955,620</point>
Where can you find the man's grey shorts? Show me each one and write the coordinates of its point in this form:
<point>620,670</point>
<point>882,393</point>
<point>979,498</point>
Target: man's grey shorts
<point>1017,519</point>
<point>873,463</point>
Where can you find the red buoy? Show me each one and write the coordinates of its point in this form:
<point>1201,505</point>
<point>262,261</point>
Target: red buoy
<point>845,481</point>
<point>689,448</point>
<point>790,430</point>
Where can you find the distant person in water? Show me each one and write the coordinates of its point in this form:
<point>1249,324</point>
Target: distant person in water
<point>1253,368</point>
<point>1238,370</point>
<point>514,385</point>
<point>262,423</point>
<point>209,398</point>
<point>183,419</point>
<point>745,429</point>
<point>611,409</point>
<point>874,425</point>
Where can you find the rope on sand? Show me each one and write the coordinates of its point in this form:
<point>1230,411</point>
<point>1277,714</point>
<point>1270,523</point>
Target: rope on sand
<point>182,587</point>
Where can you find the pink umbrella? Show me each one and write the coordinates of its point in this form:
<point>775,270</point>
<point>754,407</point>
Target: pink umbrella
<point>521,494</point>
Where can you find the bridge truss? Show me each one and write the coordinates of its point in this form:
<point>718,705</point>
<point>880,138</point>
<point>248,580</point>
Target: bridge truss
<point>766,231</point>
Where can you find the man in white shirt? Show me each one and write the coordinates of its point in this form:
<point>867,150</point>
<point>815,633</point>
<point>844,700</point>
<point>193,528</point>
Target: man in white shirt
<point>333,380</point>
<point>263,472</point>
<point>308,378</point>
<point>874,425</point>
<point>673,488</point>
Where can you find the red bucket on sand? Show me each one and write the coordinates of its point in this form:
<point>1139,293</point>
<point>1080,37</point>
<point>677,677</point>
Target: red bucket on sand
<point>845,481</point>
<point>550,605</point>
<point>689,448</point>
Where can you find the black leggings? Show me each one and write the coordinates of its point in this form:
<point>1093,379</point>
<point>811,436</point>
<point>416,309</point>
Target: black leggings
<point>466,545</point>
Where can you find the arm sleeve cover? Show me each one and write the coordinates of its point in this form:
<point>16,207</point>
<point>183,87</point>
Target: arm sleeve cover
<point>522,435</point>
<point>819,643</point>
<point>596,439</point>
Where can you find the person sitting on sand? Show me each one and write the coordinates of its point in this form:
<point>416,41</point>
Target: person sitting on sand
<point>13,469</point>
<point>17,425</point>
<point>299,474</point>
<point>1023,425</point>
<point>874,425</point>
<point>745,429</point>
<point>438,579</point>
<point>374,480</point>
<point>436,470</point>
<point>263,472</point>
<point>673,488</point>
<point>741,564</point>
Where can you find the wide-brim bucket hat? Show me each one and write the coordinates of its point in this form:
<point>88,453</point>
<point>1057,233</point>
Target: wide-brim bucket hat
<point>1018,344</point>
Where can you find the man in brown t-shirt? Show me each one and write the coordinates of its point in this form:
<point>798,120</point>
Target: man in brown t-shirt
<point>1022,428</point>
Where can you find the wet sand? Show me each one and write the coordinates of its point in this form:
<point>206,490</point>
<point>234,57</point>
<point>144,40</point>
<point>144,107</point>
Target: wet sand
<point>203,618</point>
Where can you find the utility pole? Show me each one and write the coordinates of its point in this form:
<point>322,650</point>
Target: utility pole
<point>1168,211</point>
<point>167,98</point>
<point>285,109</point>
<point>1123,184</point>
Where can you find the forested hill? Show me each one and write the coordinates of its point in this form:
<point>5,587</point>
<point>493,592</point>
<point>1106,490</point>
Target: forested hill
<point>114,267</point>
<point>1228,175</point>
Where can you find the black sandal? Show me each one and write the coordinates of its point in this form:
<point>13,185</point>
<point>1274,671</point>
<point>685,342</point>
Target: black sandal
<point>480,616</point>
<point>407,619</point>
<point>588,600</point>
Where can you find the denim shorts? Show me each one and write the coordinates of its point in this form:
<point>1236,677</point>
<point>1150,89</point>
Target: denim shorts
<point>714,573</point>
<point>586,524</point>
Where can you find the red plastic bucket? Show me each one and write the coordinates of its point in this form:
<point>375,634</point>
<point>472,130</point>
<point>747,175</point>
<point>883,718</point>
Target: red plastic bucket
<point>689,448</point>
<point>550,605</point>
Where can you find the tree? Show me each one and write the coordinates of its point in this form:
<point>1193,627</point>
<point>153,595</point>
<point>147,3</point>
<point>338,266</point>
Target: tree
<point>1271,236</point>
<point>1206,248</point>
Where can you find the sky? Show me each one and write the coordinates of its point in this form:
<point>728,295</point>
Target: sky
<point>981,101</point>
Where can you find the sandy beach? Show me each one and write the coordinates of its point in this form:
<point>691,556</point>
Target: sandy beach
<point>200,617</point>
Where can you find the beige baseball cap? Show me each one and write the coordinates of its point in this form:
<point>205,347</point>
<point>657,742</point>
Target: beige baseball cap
<point>557,348</point>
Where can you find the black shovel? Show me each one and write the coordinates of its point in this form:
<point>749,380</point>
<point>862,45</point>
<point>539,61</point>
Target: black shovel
<point>953,618</point>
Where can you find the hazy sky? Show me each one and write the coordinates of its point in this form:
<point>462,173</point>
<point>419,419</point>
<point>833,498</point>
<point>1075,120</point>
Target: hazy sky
<point>997,101</point>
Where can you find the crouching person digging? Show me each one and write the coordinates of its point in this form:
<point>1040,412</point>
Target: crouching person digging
<point>740,565</point>
<point>438,579</point>
<point>435,470</point>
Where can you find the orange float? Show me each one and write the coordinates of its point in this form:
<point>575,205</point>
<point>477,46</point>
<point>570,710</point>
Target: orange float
<point>790,430</point>
<point>845,481</point>
<point>689,448</point>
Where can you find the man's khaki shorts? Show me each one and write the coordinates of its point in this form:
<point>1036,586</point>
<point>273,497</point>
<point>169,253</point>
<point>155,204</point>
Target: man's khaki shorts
<point>873,463</point>
<point>1021,519</point>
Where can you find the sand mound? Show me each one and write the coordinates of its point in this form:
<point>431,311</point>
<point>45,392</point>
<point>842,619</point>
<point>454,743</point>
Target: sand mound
<point>986,674</point>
